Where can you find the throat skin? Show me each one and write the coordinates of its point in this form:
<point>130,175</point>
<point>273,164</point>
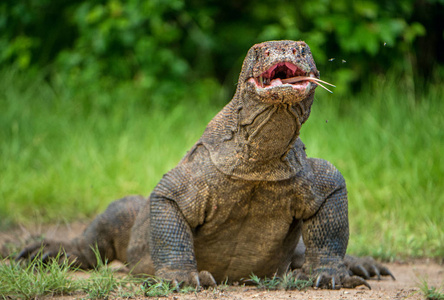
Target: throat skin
<point>257,127</point>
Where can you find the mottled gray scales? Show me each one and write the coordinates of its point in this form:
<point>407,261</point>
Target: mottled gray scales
<point>245,199</point>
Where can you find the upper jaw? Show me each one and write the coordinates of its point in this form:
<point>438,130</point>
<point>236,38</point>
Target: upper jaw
<point>274,77</point>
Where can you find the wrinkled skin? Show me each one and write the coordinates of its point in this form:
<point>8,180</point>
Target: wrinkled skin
<point>245,199</point>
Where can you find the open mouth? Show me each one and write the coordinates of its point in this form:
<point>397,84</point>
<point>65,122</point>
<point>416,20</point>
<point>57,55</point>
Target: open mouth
<point>287,73</point>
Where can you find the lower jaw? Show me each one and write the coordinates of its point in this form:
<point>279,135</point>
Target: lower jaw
<point>277,83</point>
<point>287,95</point>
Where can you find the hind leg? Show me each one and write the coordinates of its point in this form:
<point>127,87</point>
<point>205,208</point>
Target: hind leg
<point>109,232</point>
<point>139,256</point>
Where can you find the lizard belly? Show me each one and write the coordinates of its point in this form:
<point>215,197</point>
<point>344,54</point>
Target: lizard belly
<point>245,234</point>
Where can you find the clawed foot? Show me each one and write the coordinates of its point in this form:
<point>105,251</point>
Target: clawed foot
<point>48,250</point>
<point>180,278</point>
<point>324,280</point>
<point>366,267</point>
<point>31,252</point>
<point>352,273</point>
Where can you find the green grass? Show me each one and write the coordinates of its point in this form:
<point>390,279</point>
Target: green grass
<point>57,277</point>
<point>431,292</point>
<point>36,279</point>
<point>66,154</point>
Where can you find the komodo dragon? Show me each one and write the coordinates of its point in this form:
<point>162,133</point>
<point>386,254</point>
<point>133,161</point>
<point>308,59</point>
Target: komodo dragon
<point>245,199</point>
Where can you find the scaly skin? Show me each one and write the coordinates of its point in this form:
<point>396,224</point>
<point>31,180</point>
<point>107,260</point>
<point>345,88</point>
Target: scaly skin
<point>241,199</point>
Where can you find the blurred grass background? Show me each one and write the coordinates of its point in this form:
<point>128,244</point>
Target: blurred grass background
<point>99,100</point>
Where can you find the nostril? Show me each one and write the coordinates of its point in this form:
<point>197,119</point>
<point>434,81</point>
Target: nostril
<point>294,50</point>
<point>267,52</point>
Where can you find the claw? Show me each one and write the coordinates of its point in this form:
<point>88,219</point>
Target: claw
<point>364,273</point>
<point>26,252</point>
<point>45,257</point>
<point>385,271</point>
<point>354,281</point>
<point>176,285</point>
<point>34,256</point>
<point>206,279</point>
<point>376,271</point>
<point>302,276</point>
<point>23,254</point>
<point>366,284</point>
<point>333,283</point>
<point>195,281</point>
<point>318,281</point>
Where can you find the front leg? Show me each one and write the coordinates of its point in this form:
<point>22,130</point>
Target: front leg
<point>171,245</point>
<point>326,232</point>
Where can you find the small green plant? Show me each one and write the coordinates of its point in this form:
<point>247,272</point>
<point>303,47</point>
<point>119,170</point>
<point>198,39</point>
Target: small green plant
<point>290,282</point>
<point>156,287</point>
<point>104,284</point>
<point>431,292</point>
<point>37,278</point>
<point>286,282</point>
<point>189,289</point>
<point>102,281</point>
<point>265,283</point>
<point>223,286</point>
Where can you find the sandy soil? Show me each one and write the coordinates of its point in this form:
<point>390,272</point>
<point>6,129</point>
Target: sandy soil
<point>409,275</point>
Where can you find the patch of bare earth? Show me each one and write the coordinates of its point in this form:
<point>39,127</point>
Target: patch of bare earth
<point>409,275</point>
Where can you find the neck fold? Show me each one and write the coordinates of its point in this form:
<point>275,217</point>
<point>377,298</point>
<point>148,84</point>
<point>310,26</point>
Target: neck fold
<point>255,141</point>
<point>267,132</point>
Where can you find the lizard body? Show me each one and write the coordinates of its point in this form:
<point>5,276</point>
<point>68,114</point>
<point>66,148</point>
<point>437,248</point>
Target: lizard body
<point>245,199</point>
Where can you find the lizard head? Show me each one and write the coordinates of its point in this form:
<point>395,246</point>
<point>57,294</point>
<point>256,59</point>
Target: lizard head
<point>255,136</point>
<point>279,72</point>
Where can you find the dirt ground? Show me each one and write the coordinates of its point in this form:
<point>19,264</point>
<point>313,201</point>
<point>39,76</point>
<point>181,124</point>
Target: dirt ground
<point>409,275</point>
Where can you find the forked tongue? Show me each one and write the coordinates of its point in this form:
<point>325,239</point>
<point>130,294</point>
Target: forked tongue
<point>313,79</point>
